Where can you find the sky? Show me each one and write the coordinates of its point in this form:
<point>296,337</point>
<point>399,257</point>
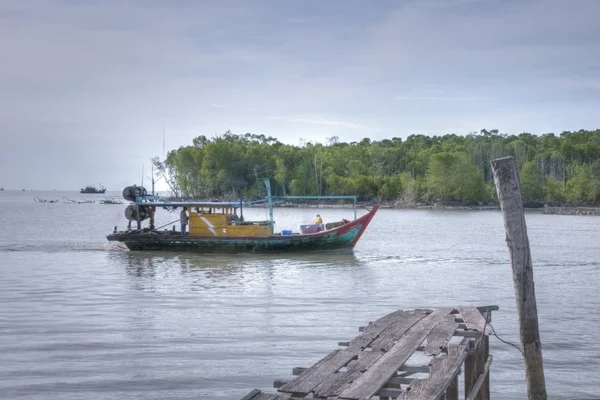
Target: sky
<point>87,88</point>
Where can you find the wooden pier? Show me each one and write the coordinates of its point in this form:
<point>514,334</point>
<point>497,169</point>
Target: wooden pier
<point>415,354</point>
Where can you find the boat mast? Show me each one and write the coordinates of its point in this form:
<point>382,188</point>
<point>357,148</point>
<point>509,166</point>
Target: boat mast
<point>269,202</point>
<point>152,180</point>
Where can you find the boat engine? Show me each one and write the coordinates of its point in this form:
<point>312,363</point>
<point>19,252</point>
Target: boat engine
<point>131,213</point>
<point>131,192</point>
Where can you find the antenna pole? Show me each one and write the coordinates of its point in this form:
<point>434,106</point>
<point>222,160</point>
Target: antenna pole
<point>241,209</point>
<point>269,202</point>
<point>163,140</point>
<point>152,180</point>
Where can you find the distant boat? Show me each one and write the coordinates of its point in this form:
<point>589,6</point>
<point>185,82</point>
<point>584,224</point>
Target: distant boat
<point>93,189</point>
<point>110,201</point>
<point>38,200</point>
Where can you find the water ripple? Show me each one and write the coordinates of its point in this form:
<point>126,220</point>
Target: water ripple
<point>85,319</point>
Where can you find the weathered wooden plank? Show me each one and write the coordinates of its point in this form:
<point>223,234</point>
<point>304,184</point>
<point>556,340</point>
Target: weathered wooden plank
<point>346,344</point>
<point>442,371</point>
<point>400,380</point>
<point>311,377</point>
<point>440,335</point>
<point>474,319</point>
<point>258,395</point>
<point>314,375</point>
<point>277,383</point>
<point>252,395</point>
<point>389,336</point>
<point>488,308</point>
<point>298,370</point>
<point>372,331</point>
<point>394,393</point>
<point>269,396</point>
<point>334,384</point>
<point>468,334</point>
<point>373,379</point>
<point>414,369</point>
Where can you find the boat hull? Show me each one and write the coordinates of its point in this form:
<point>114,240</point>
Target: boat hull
<point>343,237</point>
<point>92,191</point>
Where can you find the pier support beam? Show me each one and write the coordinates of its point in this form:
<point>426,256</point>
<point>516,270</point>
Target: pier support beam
<point>452,390</point>
<point>506,178</point>
<point>477,378</point>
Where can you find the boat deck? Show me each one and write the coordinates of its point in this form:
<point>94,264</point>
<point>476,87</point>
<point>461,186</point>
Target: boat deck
<point>415,354</point>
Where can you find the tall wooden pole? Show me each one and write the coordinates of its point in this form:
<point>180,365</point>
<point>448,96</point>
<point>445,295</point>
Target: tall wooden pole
<point>506,178</point>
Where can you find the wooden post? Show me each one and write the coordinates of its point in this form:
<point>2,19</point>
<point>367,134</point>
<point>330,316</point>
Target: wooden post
<point>452,390</point>
<point>506,178</point>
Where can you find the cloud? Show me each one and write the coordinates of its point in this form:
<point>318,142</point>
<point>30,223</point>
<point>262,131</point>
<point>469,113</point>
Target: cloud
<point>320,121</point>
<point>328,122</point>
<point>438,95</point>
<point>485,41</point>
<point>86,87</point>
<point>438,98</point>
<point>580,83</point>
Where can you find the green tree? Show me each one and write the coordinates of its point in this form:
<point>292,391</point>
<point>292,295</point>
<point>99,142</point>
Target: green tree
<point>440,176</point>
<point>584,187</point>
<point>555,191</point>
<point>532,182</point>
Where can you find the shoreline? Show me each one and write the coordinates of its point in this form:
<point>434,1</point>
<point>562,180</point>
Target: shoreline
<point>389,205</point>
<point>548,210</point>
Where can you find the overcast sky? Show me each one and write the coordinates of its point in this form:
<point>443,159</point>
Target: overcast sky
<point>86,87</point>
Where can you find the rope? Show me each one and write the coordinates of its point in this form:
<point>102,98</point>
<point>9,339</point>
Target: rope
<point>506,341</point>
<point>167,224</point>
<point>487,322</point>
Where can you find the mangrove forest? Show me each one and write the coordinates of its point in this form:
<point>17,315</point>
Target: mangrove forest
<point>554,169</point>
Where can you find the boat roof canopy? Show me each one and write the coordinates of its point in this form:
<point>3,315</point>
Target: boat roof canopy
<point>210,204</point>
<point>152,201</point>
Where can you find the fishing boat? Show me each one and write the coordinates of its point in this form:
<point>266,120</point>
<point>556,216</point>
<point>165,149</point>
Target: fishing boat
<point>93,190</point>
<point>216,227</point>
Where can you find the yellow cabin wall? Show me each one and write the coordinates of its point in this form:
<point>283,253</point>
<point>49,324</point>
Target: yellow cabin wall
<point>198,227</point>
<point>217,220</point>
<point>232,231</point>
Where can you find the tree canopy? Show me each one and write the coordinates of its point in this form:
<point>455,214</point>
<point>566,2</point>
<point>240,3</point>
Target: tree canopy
<point>450,168</point>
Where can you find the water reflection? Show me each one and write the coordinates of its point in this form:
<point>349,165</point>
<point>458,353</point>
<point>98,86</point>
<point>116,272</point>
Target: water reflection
<point>155,264</point>
<point>147,263</point>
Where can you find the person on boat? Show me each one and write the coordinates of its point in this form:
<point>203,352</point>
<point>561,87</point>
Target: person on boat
<point>319,222</point>
<point>183,219</point>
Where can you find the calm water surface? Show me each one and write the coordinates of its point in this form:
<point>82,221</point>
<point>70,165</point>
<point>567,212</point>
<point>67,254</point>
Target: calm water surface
<point>81,318</point>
